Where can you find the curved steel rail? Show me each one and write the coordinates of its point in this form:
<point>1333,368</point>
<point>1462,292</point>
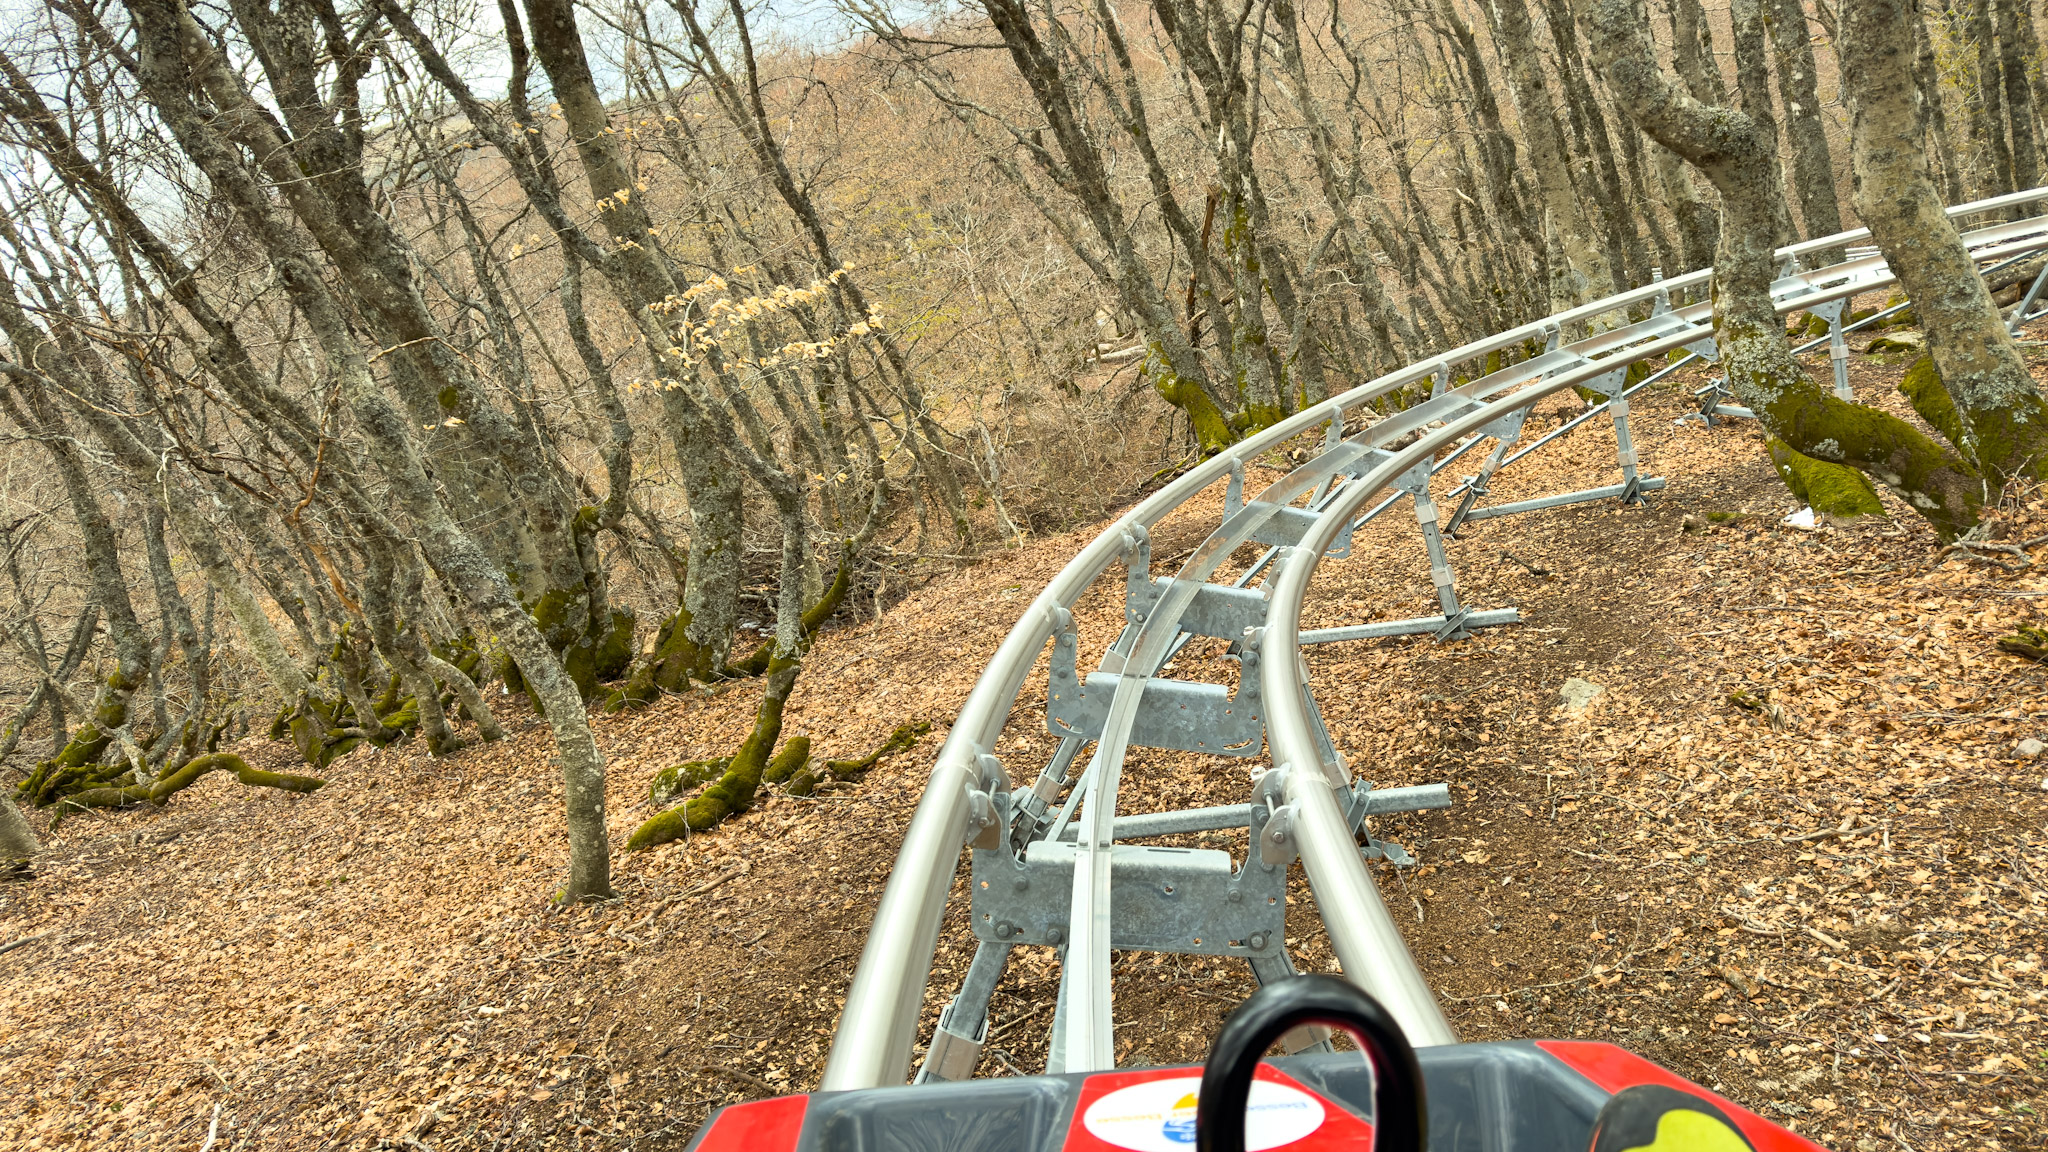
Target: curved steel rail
<point>1309,802</point>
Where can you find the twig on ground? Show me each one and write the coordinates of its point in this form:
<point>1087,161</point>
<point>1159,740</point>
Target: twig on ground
<point>212,1130</point>
<point>24,942</point>
<point>747,1078</point>
<point>722,877</point>
<point>1826,833</point>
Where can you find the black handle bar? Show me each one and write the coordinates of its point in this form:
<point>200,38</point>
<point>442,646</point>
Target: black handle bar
<point>1398,1114</point>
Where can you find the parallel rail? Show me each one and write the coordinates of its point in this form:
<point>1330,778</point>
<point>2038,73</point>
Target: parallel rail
<point>1047,877</point>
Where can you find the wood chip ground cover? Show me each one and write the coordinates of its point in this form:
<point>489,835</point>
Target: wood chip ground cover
<point>1827,901</point>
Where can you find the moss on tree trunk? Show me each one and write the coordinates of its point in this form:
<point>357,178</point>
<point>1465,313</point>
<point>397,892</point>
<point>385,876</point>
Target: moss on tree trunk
<point>1922,388</point>
<point>1835,489</point>
<point>677,779</point>
<point>2000,410</point>
<point>1212,428</point>
<point>813,619</point>
<point>734,791</point>
<point>677,659</point>
<point>175,782</point>
<point>674,661</point>
<point>806,782</point>
<point>1727,146</point>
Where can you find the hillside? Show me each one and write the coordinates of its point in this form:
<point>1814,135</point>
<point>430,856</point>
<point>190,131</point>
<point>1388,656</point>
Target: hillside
<point>1828,901</point>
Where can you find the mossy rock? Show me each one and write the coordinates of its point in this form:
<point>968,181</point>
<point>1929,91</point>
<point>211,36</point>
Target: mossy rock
<point>677,779</point>
<point>1806,325</point>
<point>1833,489</point>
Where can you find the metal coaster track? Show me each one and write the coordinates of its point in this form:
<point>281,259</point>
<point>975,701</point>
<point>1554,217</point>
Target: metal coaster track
<point>1044,877</point>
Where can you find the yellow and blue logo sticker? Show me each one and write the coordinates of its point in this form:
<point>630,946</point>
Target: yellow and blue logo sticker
<point>1159,1116</point>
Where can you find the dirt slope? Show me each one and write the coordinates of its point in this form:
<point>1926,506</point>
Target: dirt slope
<point>1829,904</point>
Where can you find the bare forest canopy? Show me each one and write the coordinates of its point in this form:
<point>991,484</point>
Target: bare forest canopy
<point>356,358</point>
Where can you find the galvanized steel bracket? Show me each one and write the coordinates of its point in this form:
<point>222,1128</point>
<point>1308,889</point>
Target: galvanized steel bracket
<point>1186,715</point>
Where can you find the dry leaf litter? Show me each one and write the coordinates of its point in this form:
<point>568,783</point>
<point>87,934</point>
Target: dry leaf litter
<point>1779,840</point>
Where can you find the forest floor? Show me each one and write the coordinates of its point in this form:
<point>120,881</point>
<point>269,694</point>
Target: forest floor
<point>1828,902</point>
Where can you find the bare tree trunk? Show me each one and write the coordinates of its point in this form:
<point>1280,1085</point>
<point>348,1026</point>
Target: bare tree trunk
<point>2035,69</point>
<point>1496,146</point>
<point>1624,243</point>
<point>1322,139</point>
<point>2001,408</point>
<point>2019,109</point>
<point>174,616</point>
<point>1933,116</point>
<point>1987,107</point>
<point>1733,153</point>
<point>1813,169</point>
<point>1590,276</point>
<point>1699,223</point>
<point>1753,97</point>
<point>1692,51</point>
<point>18,841</point>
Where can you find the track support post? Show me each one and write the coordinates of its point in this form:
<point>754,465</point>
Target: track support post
<point>956,1045</point>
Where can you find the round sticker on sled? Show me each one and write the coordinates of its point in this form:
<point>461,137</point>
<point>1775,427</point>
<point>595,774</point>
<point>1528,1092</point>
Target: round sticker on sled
<point>1159,1116</point>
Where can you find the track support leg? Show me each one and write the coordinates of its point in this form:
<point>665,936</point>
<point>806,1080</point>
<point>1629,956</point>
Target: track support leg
<point>1417,484</point>
<point>1308,1037</point>
<point>963,1027</point>
<point>2019,316</point>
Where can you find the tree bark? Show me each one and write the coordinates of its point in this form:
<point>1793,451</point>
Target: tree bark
<point>1730,150</point>
<point>1933,116</point>
<point>18,841</point>
<point>1753,98</point>
<point>1692,52</point>
<point>1986,100</point>
<point>2019,103</point>
<point>1589,276</point>
<point>2001,408</point>
<point>1813,169</point>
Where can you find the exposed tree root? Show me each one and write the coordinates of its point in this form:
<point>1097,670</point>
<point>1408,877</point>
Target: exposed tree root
<point>325,728</point>
<point>1833,489</point>
<point>161,791</point>
<point>794,758</point>
<point>805,782</point>
<point>734,791</point>
<point>2029,642</point>
<point>677,779</point>
<point>676,659</point>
